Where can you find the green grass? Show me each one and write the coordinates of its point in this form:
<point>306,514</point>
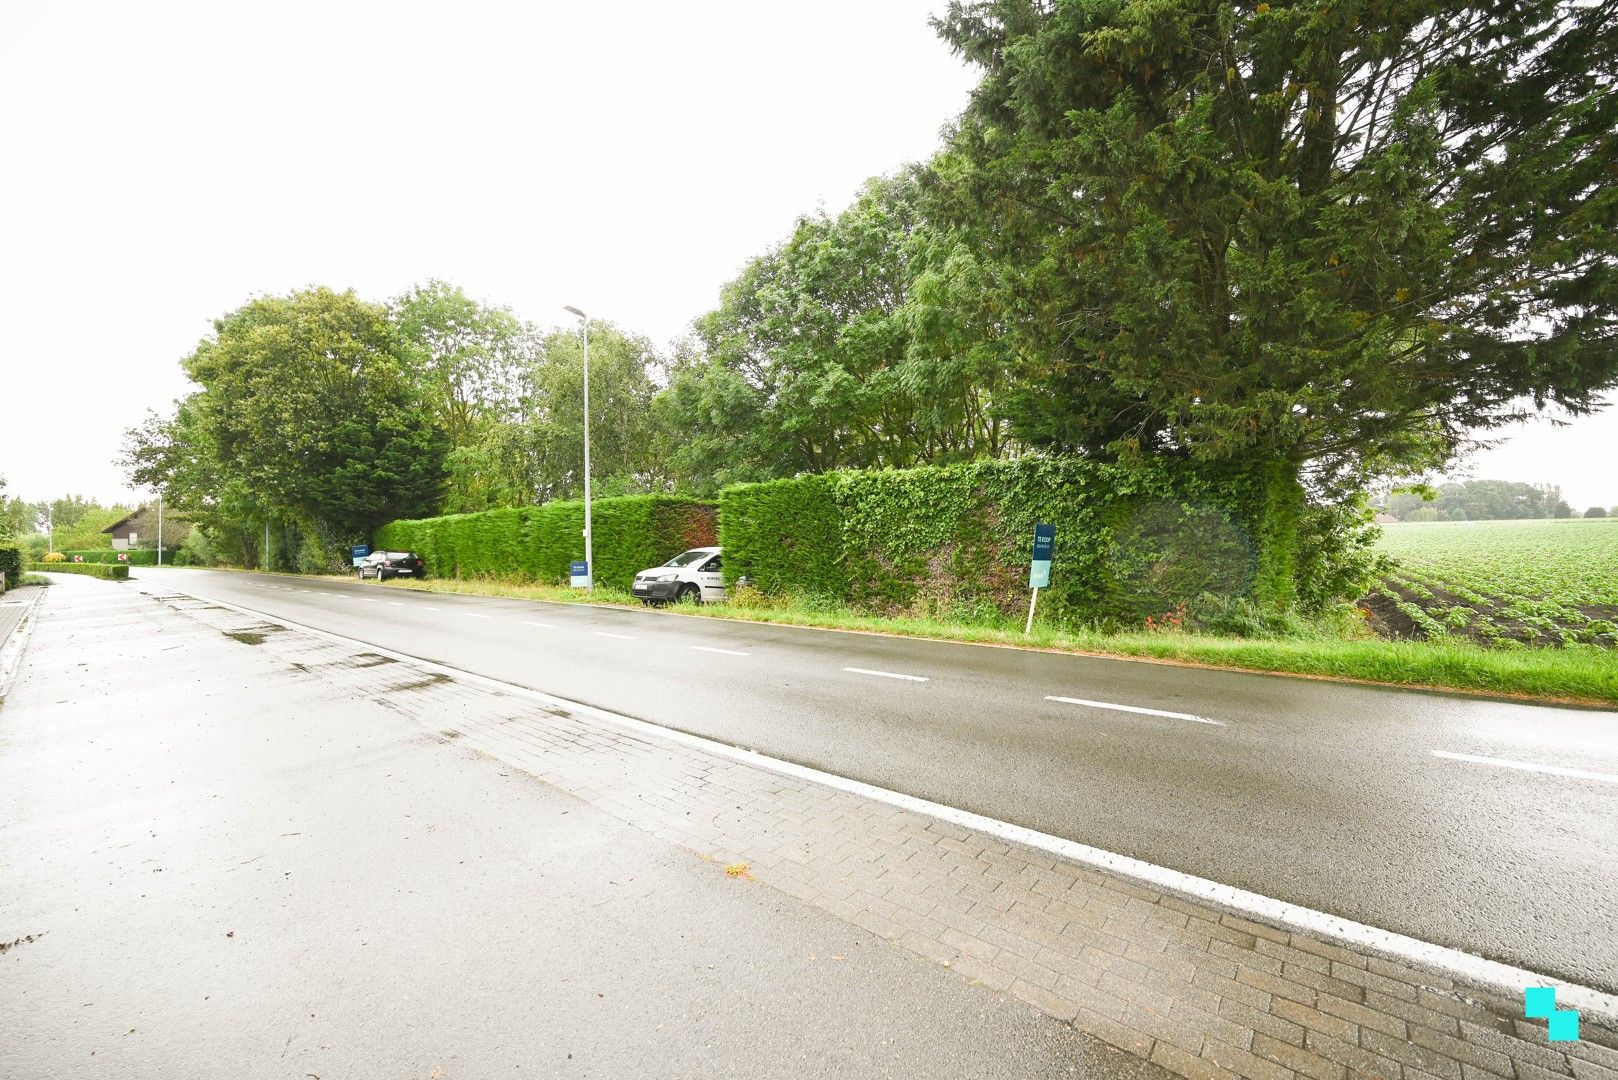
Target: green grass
<point>1582,674</point>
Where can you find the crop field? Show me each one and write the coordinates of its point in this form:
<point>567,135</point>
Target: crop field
<point>1509,584</point>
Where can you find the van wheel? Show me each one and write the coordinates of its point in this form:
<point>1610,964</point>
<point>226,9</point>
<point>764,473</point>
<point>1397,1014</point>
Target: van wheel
<point>689,592</point>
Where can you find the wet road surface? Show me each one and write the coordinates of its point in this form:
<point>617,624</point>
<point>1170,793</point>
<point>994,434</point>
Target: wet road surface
<point>212,867</point>
<point>1484,826</point>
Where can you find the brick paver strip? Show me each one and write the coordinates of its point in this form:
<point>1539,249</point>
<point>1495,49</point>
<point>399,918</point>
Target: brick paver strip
<point>1198,991</point>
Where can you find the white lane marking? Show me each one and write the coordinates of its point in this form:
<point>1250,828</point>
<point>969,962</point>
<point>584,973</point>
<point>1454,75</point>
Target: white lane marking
<point>709,648</point>
<point>369,599</point>
<point>1468,966</point>
<point>620,637</point>
<point>1136,709</point>
<point>474,615</point>
<point>541,625</point>
<point>1525,766</point>
<point>429,607</point>
<point>886,674</point>
<point>395,603</point>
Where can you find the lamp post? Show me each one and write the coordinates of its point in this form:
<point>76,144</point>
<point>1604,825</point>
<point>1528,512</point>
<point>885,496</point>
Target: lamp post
<point>589,558</point>
<point>160,528</point>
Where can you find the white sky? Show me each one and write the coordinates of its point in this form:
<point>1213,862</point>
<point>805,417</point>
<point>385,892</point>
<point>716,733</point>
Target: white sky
<point>161,162</point>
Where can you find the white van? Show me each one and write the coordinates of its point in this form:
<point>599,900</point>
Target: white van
<point>690,575</point>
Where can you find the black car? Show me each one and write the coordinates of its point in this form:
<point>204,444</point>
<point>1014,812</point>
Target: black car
<point>385,564</point>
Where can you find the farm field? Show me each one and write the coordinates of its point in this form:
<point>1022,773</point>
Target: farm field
<point>1505,584</point>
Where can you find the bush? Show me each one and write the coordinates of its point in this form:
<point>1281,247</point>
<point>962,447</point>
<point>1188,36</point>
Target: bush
<point>537,543</point>
<point>108,571</point>
<point>53,557</point>
<point>134,556</point>
<point>11,566</point>
<point>1596,512</point>
<point>1132,541</point>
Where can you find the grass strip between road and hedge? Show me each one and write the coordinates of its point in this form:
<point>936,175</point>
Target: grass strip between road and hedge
<point>1579,675</point>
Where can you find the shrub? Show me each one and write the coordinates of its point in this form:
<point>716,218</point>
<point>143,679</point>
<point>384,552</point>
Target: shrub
<point>538,543</point>
<point>108,571</point>
<point>1132,541</point>
<point>54,557</point>
<point>11,566</point>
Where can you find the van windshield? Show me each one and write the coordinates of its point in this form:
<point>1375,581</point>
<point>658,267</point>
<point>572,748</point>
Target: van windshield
<point>686,558</point>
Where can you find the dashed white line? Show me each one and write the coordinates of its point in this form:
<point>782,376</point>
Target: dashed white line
<point>1135,709</point>
<point>620,637</point>
<point>541,625</point>
<point>474,615</point>
<point>395,603</point>
<point>709,648</point>
<point>886,674</point>
<point>430,607</point>
<point>1525,766</point>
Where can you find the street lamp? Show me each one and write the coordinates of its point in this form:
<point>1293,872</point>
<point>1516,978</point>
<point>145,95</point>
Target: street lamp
<point>589,559</point>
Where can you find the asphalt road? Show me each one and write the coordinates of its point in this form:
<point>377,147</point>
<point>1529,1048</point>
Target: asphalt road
<point>200,882</point>
<point>1359,801</point>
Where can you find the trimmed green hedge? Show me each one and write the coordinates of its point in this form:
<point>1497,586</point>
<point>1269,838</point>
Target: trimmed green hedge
<point>109,571</point>
<point>1130,541</point>
<point>538,543</point>
<point>136,556</point>
<point>10,566</point>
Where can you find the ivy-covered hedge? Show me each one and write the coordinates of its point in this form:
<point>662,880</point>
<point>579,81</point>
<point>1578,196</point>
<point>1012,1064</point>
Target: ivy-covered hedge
<point>11,567</point>
<point>109,571</point>
<point>136,556</point>
<point>1131,541</point>
<point>538,543</point>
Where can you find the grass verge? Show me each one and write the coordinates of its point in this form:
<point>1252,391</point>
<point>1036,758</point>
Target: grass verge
<point>1577,675</point>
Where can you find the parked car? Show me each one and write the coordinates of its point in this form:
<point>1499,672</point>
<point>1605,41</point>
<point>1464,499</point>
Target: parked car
<point>385,564</point>
<point>690,575</point>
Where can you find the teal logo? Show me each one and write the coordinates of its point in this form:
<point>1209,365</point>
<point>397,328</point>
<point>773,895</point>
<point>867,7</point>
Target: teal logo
<point>1539,1003</point>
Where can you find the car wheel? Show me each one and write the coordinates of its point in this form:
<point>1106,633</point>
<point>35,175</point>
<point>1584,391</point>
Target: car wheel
<point>689,592</point>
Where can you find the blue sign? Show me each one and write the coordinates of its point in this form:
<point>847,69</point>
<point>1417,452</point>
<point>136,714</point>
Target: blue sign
<point>1039,568</point>
<point>359,551</point>
<point>579,572</point>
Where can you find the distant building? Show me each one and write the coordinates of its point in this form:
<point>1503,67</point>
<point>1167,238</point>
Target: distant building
<point>139,529</point>
<point>125,532</point>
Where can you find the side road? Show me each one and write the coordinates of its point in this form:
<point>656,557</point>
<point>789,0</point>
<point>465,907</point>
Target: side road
<point>216,864</point>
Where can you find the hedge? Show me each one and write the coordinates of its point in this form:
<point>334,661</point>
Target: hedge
<point>109,571</point>
<point>10,567</point>
<point>1130,541</point>
<point>537,543</point>
<point>136,556</point>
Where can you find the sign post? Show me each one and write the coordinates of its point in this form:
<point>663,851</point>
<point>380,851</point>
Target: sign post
<point>1039,568</point>
<point>579,574</point>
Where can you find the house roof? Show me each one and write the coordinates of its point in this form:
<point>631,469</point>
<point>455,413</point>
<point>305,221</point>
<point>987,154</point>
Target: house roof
<point>121,522</point>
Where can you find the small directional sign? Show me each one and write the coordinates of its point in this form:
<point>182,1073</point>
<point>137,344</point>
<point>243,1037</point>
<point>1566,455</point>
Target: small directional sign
<point>579,572</point>
<point>1039,568</point>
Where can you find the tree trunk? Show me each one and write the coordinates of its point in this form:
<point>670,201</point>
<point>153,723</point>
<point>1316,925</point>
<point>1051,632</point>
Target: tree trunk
<point>1275,580</point>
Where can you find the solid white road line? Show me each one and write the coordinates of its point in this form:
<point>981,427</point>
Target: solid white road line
<point>541,625</point>
<point>620,637</point>
<point>886,674</point>
<point>1136,709</point>
<point>709,648</point>
<point>1502,977</point>
<point>1525,766</point>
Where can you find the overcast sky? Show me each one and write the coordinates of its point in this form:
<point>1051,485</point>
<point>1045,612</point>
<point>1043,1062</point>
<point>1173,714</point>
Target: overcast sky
<point>162,162</point>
